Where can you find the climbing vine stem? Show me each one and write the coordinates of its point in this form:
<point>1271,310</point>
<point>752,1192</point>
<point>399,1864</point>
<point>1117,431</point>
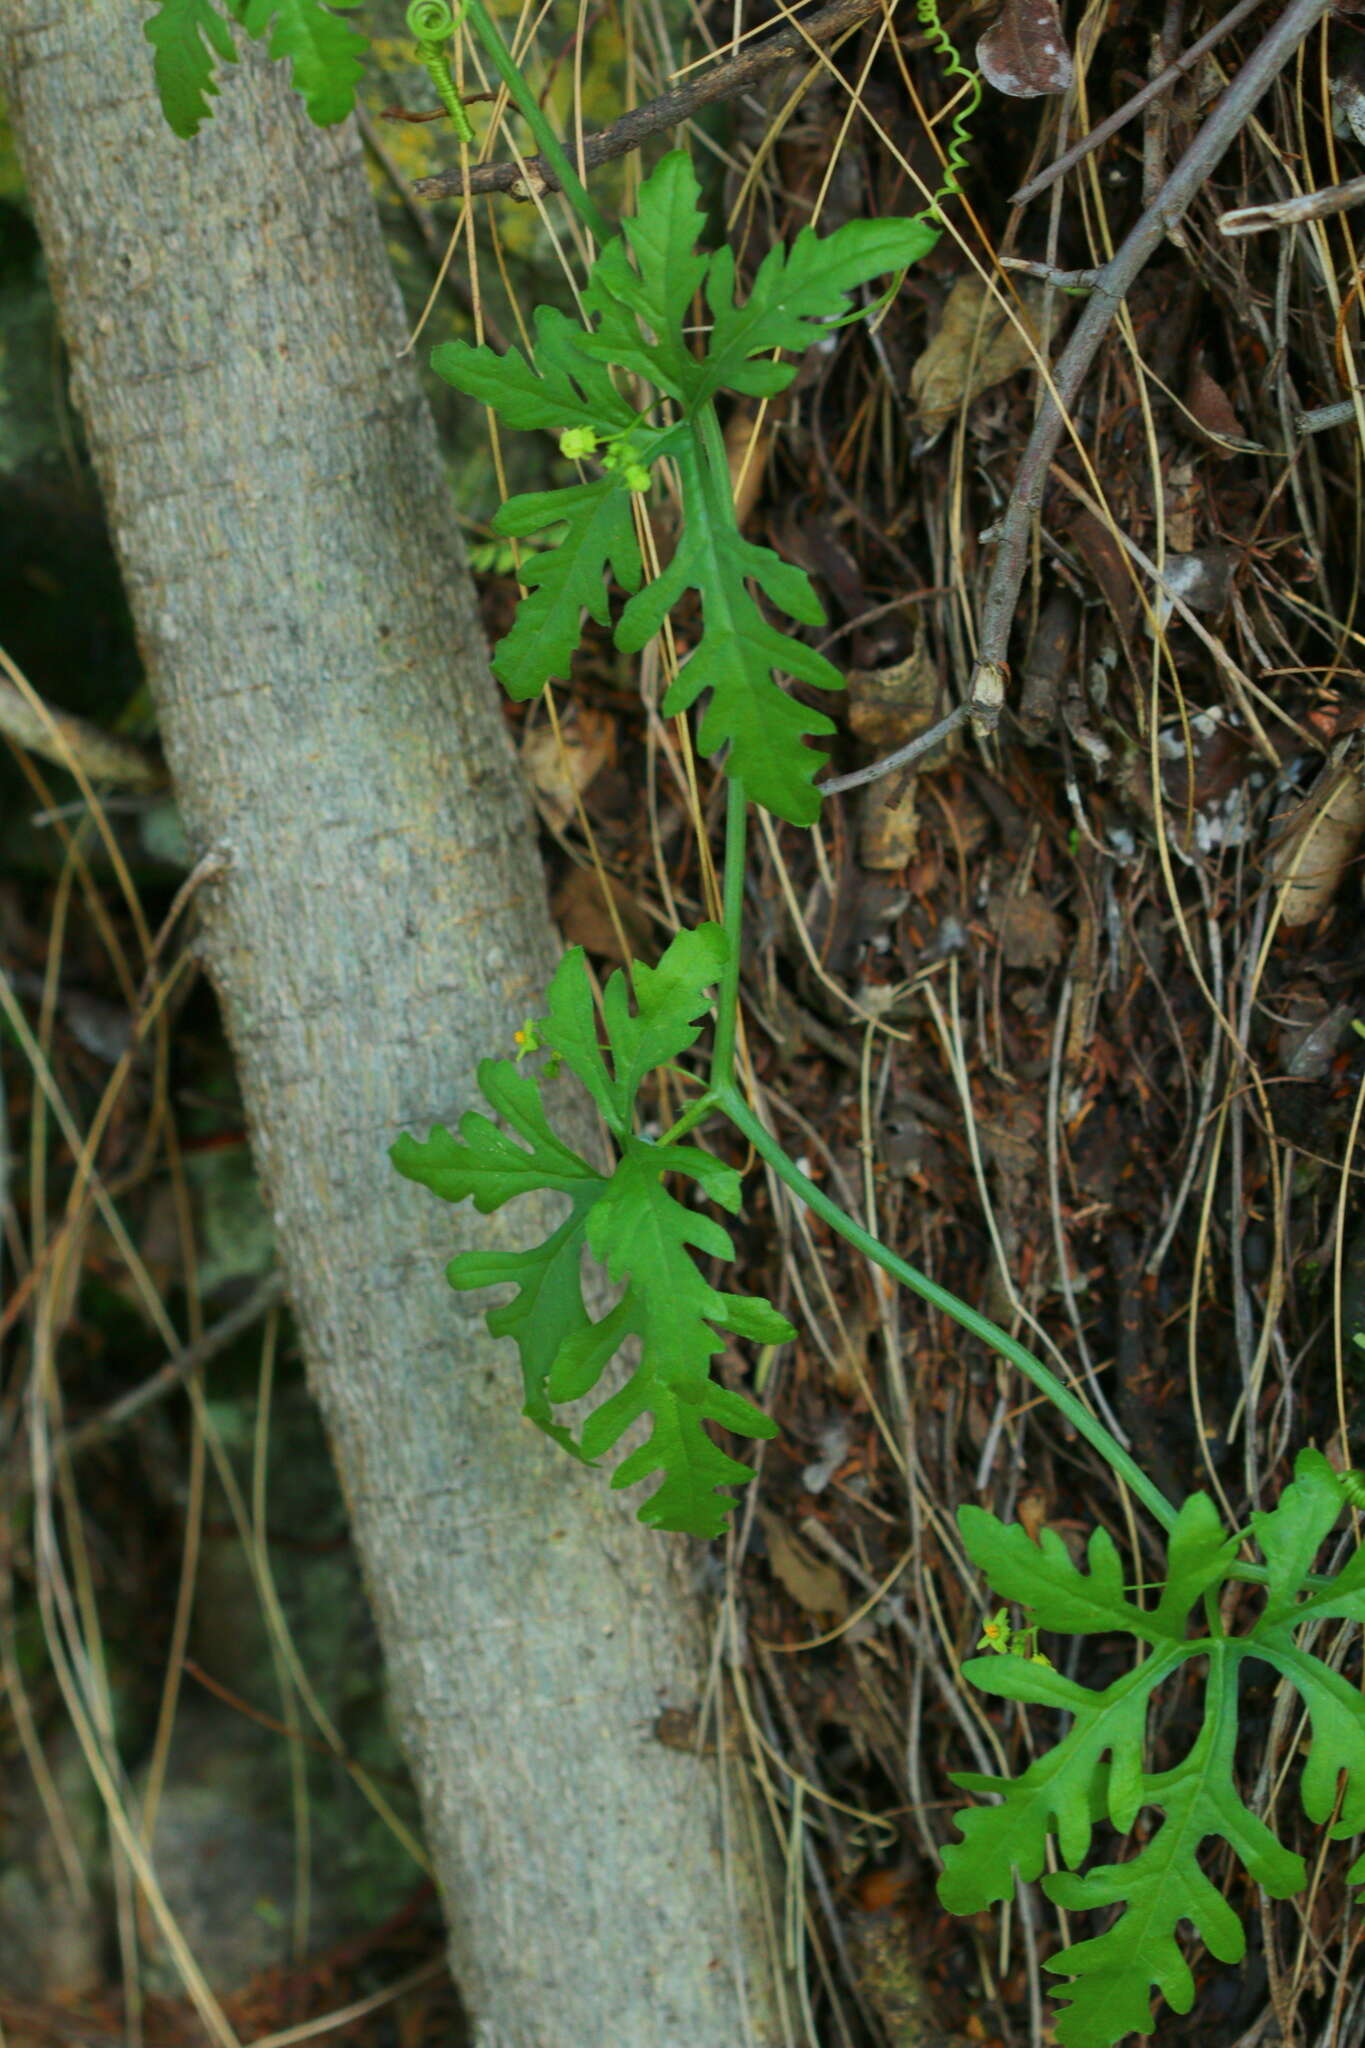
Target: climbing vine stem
<point>433,24</point>
<point>526,103</point>
<point>729,1099</point>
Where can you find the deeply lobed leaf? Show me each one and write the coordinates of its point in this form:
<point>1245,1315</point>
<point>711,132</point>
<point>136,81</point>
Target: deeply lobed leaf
<point>562,388</point>
<point>640,299</point>
<point>797,292</point>
<point>740,651</point>
<point>187,35</point>
<point>565,580</point>
<point>1097,1770</point>
<point>629,1222</point>
<point>324,51</point>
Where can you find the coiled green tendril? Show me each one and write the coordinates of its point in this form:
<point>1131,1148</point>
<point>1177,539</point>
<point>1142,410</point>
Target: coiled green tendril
<point>956,161</point>
<point>433,23</point>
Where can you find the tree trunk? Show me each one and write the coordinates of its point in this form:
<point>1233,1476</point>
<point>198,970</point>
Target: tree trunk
<point>308,628</point>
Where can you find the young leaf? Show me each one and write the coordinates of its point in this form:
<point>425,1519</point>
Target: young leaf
<point>1041,1575</point>
<point>658,289</point>
<point>628,1222</point>
<point>739,651</point>
<point>187,35</point>
<point>1291,1535</point>
<point>564,580</point>
<point>1097,1768</point>
<point>323,50</point>
<point>795,295</point>
<point>670,999</point>
<point>643,1236</point>
<point>562,388</point>
<point>1113,1973</point>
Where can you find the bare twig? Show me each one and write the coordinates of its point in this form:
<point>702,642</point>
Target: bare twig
<point>902,757</point>
<point>1291,213</point>
<point>1124,114</point>
<point>267,1295</point>
<point>1113,282</point>
<point>61,737</point>
<point>668,111</point>
<point>1060,280</point>
<point>1321,417</point>
<point>452,277</point>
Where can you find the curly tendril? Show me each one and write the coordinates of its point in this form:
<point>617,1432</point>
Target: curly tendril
<point>953,67</point>
<point>433,23</point>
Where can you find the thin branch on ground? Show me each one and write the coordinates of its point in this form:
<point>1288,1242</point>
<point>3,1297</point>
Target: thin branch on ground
<point>903,756</point>
<point>61,737</point>
<point>1121,116</point>
<point>1115,280</point>
<point>262,1298</point>
<point>669,110</point>
<point>1293,213</point>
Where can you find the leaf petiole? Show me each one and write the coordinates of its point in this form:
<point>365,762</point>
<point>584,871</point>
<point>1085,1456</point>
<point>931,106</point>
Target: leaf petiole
<point>1077,1414</point>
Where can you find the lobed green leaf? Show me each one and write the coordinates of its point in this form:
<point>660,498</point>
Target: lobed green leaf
<point>187,35</point>
<point>563,387</point>
<point>484,1165</point>
<point>564,580</point>
<point>644,1238</point>
<point>1112,1975</point>
<point>324,51</point>
<point>1097,1769</point>
<point>740,652</point>
<point>640,300</point>
<point>797,292</point>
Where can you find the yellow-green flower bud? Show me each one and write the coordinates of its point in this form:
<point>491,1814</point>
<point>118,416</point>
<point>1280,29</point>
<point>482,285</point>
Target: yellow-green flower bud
<point>576,441</point>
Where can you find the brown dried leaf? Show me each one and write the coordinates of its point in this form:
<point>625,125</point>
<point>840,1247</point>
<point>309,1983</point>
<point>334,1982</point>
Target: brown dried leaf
<point>1211,409</point>
<point>978,344</point>
<point>1183,492</point>
<point>1031,1511</point>
<point>812,1583</point>
<point>1108,564</point>
<point>888,706</point>
<point>1202,580</point>
<point>1024,54</point>
<point>584,920</point>
<point>1031,933</point>
<point>888,835</point>
<point>1318,842</point>
<point>559,766</point>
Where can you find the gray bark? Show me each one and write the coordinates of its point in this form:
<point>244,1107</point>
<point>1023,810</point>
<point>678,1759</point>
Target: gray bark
<point>294,566</point>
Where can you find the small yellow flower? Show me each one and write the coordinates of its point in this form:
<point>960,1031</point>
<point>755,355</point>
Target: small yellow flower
<point>526,1039</point>
<point>996,1634</point>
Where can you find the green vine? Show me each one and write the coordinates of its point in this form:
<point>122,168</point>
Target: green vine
<point>631,391</point>
<point>433,23</point>
<point>955,162</point>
